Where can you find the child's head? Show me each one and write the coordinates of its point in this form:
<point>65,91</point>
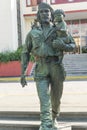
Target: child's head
<point>58,15</point>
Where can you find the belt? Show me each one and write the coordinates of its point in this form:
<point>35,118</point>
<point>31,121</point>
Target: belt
<point>52,59</point>
<point>48,59</point>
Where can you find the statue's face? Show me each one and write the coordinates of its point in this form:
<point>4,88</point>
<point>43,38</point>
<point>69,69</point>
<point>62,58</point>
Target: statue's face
<point>45,15</point>
<point>58,18</point>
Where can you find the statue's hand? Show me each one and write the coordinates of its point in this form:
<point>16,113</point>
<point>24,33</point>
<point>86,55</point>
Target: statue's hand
<point>23,81</point>
<point>58,43</point>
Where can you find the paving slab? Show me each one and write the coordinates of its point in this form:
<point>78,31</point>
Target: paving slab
<point>15,98</point>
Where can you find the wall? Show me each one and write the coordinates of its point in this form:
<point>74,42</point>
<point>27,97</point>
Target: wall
<point>8,25</point>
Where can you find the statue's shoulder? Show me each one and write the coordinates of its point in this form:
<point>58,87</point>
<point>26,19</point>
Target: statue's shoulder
<point>35,32</point>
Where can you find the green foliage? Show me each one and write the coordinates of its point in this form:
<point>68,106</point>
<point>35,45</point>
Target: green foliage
<point>13,56</point>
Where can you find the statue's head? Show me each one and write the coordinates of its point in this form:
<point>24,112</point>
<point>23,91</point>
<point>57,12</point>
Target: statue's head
<point>45,13</point>
<point>59,12</point>
<point>58,15</point>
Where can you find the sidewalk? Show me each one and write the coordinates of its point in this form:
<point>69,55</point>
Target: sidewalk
<point>15,98</point>
<point>30,78</point>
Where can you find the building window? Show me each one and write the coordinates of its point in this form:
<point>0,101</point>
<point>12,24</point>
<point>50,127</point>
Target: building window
<point>28,2</point>
<point>53,1</point>
<point>34,2</point>
<point>31,3</point>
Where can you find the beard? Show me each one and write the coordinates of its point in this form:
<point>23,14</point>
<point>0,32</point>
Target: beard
<point>45,20</point>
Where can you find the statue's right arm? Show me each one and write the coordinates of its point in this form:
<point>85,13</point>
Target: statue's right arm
<point>25,57</point>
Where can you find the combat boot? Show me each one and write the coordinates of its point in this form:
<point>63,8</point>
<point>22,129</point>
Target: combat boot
<point>55,124</point>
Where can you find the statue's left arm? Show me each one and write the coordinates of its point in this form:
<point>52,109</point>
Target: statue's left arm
<point>61,45</point>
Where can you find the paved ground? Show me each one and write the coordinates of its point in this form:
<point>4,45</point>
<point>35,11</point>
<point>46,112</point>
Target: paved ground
<point>15,98</point>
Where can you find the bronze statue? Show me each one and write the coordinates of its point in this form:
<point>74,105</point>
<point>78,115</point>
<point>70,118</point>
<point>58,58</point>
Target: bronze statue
<point>49,72</point>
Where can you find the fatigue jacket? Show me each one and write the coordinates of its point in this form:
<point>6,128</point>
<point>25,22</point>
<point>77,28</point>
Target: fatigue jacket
<point>36,43</point>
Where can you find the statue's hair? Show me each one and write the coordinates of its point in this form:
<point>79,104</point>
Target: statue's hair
<point>45,5</point>
<point>59,11</point>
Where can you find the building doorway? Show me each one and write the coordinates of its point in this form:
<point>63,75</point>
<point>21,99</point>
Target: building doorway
<point>78,29</point>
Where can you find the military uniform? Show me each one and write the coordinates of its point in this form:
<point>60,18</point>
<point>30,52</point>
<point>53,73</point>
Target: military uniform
<point>49,74</point>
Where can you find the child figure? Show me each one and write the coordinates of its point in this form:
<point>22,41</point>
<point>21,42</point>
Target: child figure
<point>61,25</point>
<point>62,32</point>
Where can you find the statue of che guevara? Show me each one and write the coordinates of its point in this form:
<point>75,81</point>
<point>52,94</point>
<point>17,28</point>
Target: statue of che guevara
<point>49,72</point>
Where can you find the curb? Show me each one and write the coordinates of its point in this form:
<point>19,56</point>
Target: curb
<point>14,79</point>
<point>17,79</point>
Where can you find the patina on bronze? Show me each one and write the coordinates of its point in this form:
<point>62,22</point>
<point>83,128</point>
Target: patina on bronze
<point>49,72</point>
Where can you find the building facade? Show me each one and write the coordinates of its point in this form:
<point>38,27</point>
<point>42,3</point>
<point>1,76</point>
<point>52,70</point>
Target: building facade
<point>18,15</point>
<point>76,17</point>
